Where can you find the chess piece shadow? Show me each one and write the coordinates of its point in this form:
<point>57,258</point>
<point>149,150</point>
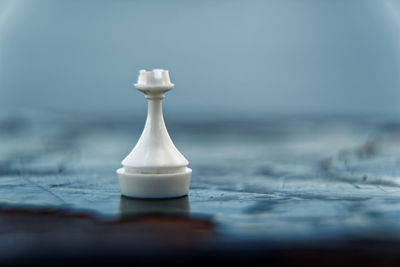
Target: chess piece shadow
<point>175,206</point>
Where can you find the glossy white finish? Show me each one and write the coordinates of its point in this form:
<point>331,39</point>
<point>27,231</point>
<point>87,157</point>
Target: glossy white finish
<point>154,168</point>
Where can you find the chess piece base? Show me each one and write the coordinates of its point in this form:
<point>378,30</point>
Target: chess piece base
<point>143,185</point>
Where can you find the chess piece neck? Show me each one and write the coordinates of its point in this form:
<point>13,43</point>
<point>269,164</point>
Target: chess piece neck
<point>154,109</point>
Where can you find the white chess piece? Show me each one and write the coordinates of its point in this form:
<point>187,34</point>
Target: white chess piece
<point>154,168</point>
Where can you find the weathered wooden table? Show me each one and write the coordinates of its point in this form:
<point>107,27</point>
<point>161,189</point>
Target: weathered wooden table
<point>288,190</point>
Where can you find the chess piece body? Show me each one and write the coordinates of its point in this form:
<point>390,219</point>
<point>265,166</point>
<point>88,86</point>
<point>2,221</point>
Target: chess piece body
<point>154,168</point>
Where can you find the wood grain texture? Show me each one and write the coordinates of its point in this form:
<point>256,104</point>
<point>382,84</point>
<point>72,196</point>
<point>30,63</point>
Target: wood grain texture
<point>285,184</point>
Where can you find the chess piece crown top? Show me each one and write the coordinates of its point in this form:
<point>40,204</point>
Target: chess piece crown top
<point>154,81</point>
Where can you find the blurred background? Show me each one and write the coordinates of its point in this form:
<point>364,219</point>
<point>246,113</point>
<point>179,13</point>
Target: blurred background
<point>287,110</point>
<point>226,58</point>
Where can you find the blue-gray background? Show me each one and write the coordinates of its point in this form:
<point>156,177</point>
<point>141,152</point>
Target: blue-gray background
<point>227,58</point>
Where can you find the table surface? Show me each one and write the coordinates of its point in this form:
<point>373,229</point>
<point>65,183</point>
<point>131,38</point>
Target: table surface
<point>286,182</point>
